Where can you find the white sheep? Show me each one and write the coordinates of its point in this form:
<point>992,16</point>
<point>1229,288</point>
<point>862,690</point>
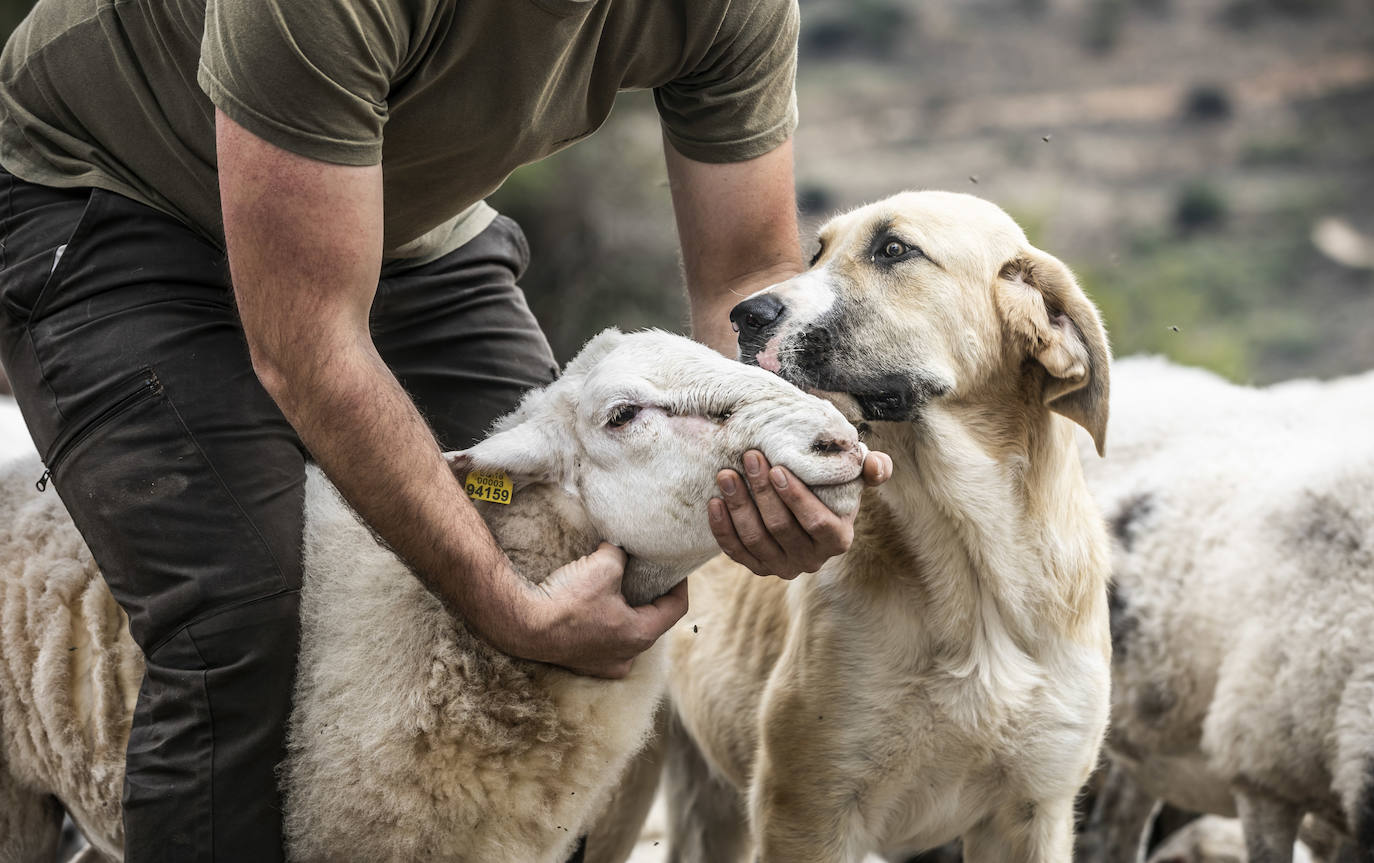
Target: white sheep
<point>1242,604</point>
<point>410,739</point>
<point>14,435</point>
<point>1212,839</point>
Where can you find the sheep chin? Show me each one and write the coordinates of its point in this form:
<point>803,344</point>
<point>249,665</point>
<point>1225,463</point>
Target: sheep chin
<point>842,498</point>
<point>647,580</point>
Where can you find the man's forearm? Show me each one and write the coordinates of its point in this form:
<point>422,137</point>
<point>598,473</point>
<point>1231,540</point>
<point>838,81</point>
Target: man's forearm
<point>305,248</point>
<point>365,432</point>
<point>737,224</point>
<point>711,304</point>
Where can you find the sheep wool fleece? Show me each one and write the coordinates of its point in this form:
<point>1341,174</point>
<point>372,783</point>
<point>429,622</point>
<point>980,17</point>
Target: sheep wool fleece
<point>451,97</point>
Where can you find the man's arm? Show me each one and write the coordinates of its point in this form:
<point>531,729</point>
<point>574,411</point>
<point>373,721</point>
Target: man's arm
<point>305,251</point>
<point>737,223</point>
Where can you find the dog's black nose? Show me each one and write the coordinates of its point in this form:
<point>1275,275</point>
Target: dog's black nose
<point>756,315</point>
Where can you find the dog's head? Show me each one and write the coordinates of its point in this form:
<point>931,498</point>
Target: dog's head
<point>928,296</point>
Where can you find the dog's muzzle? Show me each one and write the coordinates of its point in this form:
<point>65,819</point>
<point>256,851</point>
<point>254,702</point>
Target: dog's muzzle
<point>757,315</point>
<point>756,319</point>
<point>812,362</point>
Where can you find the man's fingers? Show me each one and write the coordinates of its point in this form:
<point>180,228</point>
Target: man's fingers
<point>829,534</point>
<point>608,557</point>
<point>602,569</point>
<point>748,522</point>
<point>783,531</point>
<point>724,531</point>
<point>589,628</point>
<point>877,468</point>
<point>659,616</point>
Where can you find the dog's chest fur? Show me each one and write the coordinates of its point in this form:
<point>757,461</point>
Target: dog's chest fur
<point>906,683</point>
<point>944,738</point>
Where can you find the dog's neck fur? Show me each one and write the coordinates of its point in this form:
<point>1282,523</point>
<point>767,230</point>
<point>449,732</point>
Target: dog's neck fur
<point>543,528</point>
<point>1021,581</point>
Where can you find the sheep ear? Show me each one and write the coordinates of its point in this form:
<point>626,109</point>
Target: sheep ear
<point>594,350</point>
<point>1059,327</point>
<point>523,452</point>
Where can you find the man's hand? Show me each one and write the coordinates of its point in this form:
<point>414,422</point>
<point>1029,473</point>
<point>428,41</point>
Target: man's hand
<point>579,620</point>
<point>783,529</point>
<point>738,226</point>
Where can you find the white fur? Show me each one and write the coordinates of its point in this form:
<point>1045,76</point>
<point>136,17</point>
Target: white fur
<point>14,435</point>
<point>1243,572</point>
<point>947,676</point>
<point>410,738</point>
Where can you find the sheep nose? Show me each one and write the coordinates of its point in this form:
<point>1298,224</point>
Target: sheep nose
<point>756,315</point>
<point>829,444</point>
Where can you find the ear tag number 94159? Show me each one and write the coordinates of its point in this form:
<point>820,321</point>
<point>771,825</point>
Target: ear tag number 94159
<point>492,485</point>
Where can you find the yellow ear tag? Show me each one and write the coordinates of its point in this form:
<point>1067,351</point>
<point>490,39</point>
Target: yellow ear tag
<point>492,485</point>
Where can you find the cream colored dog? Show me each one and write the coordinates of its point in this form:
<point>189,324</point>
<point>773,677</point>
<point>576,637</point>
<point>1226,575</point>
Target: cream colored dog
<point>948,676</point>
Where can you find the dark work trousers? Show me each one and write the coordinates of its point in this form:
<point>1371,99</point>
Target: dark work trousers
<point>119,334</point>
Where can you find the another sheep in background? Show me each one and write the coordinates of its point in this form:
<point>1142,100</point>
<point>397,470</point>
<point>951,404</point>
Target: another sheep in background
<point>1242,604</point>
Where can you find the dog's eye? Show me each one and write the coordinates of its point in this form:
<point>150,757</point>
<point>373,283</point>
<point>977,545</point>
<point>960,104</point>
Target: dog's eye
<point>814,258</point>
<point>895,249</point>
<point>622,416</point>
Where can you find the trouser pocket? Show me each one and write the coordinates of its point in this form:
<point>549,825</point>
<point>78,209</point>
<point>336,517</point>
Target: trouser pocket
<point>187,483</point>
<point>39,226</point>
<point>173,541</point>
<point>125,397</point>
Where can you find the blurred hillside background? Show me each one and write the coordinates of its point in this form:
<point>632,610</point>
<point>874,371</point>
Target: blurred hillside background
<point>1206,166</point>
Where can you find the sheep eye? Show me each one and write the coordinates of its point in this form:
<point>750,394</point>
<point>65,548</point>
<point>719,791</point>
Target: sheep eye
<point>721,416</point>
<point>895,249</point>
<point>622,415</point>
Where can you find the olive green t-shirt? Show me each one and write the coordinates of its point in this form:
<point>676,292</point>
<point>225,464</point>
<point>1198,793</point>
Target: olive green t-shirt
<point>450,96</point>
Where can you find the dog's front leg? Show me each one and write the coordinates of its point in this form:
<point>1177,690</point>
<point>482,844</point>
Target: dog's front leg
<point>1027,832</point>
<point>796,820</point>
<point>802,807</point>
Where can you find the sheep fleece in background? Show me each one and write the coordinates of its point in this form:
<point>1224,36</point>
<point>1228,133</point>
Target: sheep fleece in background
<point>1242,604</point>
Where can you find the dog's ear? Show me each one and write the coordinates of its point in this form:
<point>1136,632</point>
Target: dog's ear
<point>1059,327</point>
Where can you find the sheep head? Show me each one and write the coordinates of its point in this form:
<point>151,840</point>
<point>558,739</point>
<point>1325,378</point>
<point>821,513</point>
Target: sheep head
<point>637,427</point>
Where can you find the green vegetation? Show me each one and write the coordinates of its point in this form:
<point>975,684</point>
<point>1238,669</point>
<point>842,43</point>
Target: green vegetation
<point>1224,300</point>
<point>1277,151</point>
<point>1200,205</point>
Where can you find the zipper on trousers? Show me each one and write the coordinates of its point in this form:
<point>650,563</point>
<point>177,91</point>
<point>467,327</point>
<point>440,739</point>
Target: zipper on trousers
<point>146,385</point>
